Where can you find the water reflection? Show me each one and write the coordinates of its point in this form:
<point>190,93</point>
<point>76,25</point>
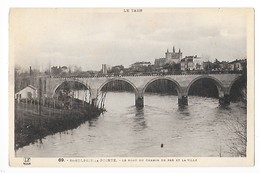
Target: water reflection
<point>183,110</point>
<point>92,123</point>
<point>224,107</point>
<point>139,120</point>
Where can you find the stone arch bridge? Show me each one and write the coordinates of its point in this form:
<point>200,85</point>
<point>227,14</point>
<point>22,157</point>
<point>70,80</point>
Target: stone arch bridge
<point>182,83</point>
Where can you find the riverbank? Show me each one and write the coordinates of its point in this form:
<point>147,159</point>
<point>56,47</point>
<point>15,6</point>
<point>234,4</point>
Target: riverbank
<point>33,122</point>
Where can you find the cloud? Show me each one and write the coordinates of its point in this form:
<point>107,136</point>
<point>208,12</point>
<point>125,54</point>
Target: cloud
<point>89,39</point>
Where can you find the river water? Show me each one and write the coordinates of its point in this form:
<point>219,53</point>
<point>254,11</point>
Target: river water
<point>200,129</point>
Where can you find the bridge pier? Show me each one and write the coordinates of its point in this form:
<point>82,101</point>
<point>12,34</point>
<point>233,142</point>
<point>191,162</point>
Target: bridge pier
<point>183,101</point>
<point>225,100</point>
<point>139,102</point>
<point>94,97</point>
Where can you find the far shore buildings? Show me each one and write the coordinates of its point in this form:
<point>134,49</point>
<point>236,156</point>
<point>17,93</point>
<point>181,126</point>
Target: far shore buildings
<point>173,62</point>
<point>170,58</point>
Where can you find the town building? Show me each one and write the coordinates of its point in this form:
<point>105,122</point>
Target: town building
<point>29,92</point>
<point>224,65</point>
<point>237,65</point>
<point>159,62</point>
<point>191,63</point>
<point>105,68</point>
<point>170,58</point>
<point>207,65</point>
<point>139,66</point>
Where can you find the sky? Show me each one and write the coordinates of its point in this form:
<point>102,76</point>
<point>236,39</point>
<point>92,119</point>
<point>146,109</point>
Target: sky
<point>91,37</point>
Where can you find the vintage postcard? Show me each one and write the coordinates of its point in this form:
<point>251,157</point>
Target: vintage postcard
<point>131,87</point>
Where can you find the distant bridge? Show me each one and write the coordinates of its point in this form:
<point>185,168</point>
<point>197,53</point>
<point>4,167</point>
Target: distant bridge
<point>182,83</point>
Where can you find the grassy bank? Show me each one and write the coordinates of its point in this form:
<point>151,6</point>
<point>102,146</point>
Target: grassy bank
<point>33,122</point>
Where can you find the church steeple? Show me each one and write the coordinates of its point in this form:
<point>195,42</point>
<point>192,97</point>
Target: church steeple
<point>179,50</point>
<point>173,49</point>
<point>167,50</point>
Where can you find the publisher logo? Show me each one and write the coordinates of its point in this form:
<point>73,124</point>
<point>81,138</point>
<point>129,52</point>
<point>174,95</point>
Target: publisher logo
<point>27,161</point>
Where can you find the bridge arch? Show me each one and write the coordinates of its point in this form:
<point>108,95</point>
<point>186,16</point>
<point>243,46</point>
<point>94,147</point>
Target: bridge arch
<point>119,79</point>
<point>177,85</point>
<point>237,90</point>
<point>69,80</point>
<point>232,83</point>
<point>218,84</point>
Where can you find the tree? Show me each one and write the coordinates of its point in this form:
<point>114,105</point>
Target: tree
<point>207,66</point>
<point>177,67</point>
<point>216,64</point>
<point>172,67</point>
<point>244,68</point>
<point>77,70</point>
<point>47,72</point>
<point>117,69</point>
<point>22,78</point>
<point>55,70</point>
<point>17,70</point>
<point>239,129</point>
<point>149,68</point>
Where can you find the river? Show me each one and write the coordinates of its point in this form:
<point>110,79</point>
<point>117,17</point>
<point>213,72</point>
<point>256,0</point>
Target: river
<point>200,129</point>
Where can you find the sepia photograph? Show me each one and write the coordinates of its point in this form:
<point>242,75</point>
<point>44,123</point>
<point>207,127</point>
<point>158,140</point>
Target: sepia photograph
<point>131,86</point>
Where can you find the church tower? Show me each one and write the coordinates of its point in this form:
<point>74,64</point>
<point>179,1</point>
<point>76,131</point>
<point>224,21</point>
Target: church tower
<point>180,54</point>
<point>168,55</point>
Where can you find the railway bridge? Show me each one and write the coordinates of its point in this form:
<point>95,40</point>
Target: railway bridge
<point>182,84</point>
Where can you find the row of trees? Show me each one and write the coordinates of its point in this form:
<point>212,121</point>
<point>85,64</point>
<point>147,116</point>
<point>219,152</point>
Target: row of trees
<point>54,70</point>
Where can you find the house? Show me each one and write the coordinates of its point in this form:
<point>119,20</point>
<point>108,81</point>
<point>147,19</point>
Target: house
<point>191,63</point>
<point>237,65</point>
<point>140,66</point>
<point>28,92</point>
